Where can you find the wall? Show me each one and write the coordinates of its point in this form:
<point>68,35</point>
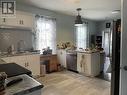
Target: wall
<point>64,24</point>
<point>12,36</point>
<point>101,26</point>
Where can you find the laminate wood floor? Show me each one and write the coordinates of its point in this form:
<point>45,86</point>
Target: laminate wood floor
<point>70,83</point>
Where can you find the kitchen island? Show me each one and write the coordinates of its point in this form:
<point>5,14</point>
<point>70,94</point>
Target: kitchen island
<point>88,63</point>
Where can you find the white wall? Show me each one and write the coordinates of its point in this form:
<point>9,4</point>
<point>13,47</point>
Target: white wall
<point>101,26</point>
<point>14,36</point>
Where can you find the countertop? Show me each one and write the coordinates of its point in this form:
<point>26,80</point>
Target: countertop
<point>18,54</point>
<point>27,85</point>
<point>2,61</point>
<point>90,52</point>
<point>22,54</point>
<point>48,55</point>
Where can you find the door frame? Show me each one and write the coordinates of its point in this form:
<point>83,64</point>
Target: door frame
<point>115,77</point>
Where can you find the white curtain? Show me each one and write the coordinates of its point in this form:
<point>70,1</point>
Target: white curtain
<point>45,33</point>
<point>82,36</point>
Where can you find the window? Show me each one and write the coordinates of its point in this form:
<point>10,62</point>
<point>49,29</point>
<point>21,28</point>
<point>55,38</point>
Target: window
<point>82,36</point>
<point>45,33</point>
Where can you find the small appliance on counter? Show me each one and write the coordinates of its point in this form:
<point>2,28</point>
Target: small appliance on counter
<point>47,51</point>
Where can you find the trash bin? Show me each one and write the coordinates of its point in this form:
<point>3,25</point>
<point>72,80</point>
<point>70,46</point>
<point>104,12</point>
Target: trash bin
<point>42,69</point>
<point>45,64</point>
<point>59,67</point>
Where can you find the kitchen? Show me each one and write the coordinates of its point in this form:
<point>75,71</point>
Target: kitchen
<point>18,43</point>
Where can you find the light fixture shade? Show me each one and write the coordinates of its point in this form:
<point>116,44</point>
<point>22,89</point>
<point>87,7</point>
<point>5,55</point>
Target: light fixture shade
<point>78,21</point>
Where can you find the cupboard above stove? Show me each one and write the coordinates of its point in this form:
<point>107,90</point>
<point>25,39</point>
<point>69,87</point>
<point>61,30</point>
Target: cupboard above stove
<point>22,20</point>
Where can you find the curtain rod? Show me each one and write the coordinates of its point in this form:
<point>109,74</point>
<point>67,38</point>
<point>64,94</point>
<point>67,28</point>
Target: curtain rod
<point>45,16</point>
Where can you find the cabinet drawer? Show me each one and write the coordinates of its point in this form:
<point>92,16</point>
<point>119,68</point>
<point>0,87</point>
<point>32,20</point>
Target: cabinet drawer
<point>53,67</point>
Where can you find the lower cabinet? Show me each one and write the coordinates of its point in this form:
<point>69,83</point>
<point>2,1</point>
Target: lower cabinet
<point>88,63</point>
<point>53,63</point>
<point>50,62</point>
<point>30,62</point>
<point>61,55</point>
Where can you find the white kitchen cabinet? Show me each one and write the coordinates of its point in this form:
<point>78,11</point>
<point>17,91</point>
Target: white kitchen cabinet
<point>30,62</point>
<point>22,20</point>
<point>88,63</point>
<point>34,64</point>
<point>8,22</point>
<point>61,54</point>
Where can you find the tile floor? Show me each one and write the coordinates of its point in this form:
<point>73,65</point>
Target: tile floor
<point>70,83</point>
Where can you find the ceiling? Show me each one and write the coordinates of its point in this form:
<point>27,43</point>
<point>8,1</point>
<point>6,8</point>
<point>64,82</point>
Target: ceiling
<point>91,9</point>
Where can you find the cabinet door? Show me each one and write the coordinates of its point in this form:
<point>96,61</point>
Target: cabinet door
<point>24,20</point>
<point>61,55</point>
<point>2,21</point>
<point>28,21</point>
<point>53,64</point>
<point>33,62</point>
<point>95,64</point>
<point>88,65</point>
<point>21,60</point>
<point>8,21</point>
<point>80,61</point>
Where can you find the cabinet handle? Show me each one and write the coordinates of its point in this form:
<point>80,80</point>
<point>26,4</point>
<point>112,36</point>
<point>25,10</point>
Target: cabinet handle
<point>4,20</point>
<point>22,22</point>
<point>25,64</point>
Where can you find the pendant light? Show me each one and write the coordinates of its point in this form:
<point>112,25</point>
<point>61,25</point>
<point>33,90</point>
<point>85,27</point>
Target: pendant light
<point>78,21</point>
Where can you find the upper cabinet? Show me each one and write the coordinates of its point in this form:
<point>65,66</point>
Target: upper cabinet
<point>23,20</point>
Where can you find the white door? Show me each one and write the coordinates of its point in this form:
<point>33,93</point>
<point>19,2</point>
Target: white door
<point>123,72</point>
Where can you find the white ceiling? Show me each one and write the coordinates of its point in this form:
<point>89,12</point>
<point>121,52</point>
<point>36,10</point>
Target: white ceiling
<point>91,9</point>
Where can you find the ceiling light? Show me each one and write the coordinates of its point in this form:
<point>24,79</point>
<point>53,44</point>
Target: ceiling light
<point>78,21</point>
<point>115,11</point>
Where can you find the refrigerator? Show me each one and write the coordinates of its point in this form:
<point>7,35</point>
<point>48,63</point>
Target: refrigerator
<point>116,37</point>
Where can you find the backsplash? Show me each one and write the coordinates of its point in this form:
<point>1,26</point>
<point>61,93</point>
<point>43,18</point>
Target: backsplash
<point>10,37</point>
